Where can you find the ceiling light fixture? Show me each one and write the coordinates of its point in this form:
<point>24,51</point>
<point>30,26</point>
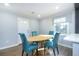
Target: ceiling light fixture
<point>7,4</point>
<point>57,7</point>
<point>38,15</point>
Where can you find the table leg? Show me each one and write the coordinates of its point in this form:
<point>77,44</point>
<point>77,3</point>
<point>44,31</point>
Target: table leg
<point>42,46</point>
<point>37,50</point>
<point>44,49</point>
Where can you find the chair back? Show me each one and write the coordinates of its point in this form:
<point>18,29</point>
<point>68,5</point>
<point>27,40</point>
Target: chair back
<point>55,40</point>
<point>34,33</point>
<point>25,43</point>
<point>51,33</point>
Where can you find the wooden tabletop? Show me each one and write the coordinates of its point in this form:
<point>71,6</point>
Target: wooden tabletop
<point>39,38</point>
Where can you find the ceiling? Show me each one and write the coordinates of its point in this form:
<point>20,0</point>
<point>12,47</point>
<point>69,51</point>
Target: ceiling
<point>35,9</point>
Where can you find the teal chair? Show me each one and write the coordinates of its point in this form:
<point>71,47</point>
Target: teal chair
<point>26,46</point>
<point>53,44</point>
<point>34,33</point>
<point>52,32</point>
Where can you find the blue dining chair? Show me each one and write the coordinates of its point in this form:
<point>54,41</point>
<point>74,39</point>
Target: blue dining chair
<point>26,46</point>
<point>34,33</point>
<point>53,44</point>
<point>52,32</point>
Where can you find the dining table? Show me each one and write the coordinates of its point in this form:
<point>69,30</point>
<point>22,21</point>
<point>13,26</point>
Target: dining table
<point>40,39</point>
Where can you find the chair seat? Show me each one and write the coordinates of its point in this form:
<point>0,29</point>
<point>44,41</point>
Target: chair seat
<point>30,48</point>
<point>34,43</point>
<point>50,44</point>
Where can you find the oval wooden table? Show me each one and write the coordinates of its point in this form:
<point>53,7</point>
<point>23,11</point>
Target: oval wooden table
<point>40,39</point>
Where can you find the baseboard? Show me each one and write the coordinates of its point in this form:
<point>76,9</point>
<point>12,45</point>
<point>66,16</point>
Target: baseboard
<point>20,43</point>
<point>10,46</point>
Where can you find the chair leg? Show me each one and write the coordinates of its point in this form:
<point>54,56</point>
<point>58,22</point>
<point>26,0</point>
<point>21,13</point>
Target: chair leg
<point>26,54</point>
<point>57,50</point>
<point>32,53</point>
<point>22,52</point>
<point>37,52</point>
<point>44,50</point>
<point>54,52</point>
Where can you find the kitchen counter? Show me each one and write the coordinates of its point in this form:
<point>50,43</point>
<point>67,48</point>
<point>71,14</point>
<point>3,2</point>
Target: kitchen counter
<point>74,38</point>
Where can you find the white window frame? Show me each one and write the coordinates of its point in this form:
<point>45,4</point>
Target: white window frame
<point>63,21</point>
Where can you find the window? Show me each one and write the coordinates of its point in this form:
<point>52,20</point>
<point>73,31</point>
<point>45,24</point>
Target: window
<point>61,25</point>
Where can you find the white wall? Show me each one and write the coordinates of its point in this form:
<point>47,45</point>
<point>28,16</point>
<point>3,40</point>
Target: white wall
<point>46,25</point>
<point>34,24</point>
<point>11,25</point>
<point>23,25</point>
<point>8,29</point>
<point>72,22</point>
<point>27,25</point>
